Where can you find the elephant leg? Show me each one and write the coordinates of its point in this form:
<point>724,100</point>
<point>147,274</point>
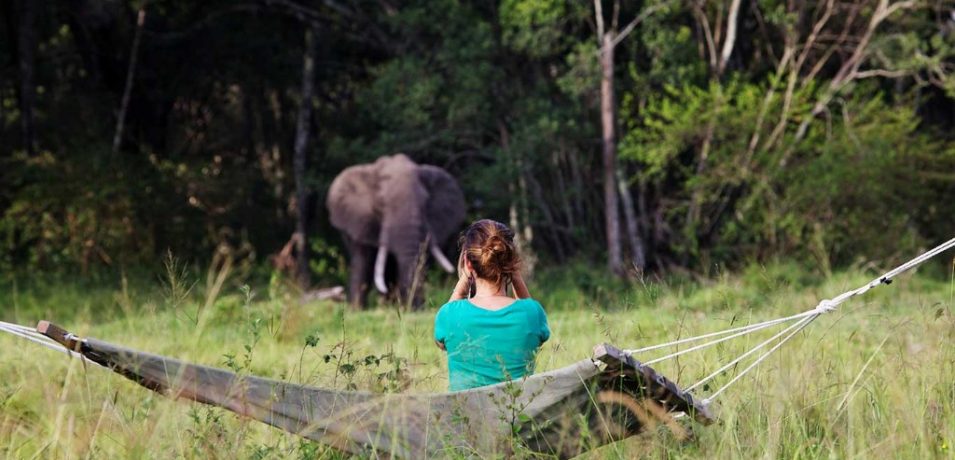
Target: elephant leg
<point>360,264</point>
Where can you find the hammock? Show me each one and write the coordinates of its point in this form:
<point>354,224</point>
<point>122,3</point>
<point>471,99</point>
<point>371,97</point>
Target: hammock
<point>563,412</point>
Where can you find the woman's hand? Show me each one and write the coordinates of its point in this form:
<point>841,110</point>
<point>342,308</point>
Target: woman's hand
<point>520,289</point>
<point>460,289</point>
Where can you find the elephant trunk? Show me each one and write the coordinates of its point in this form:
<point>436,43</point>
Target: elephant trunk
<point>380,269</point>
<point>408,244</point>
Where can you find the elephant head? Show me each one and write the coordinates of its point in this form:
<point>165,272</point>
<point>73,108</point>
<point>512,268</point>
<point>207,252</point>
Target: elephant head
<point>392,207</point>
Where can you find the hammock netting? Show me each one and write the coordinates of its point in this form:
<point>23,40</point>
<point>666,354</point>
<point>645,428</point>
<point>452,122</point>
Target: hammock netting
<point>563,412</point>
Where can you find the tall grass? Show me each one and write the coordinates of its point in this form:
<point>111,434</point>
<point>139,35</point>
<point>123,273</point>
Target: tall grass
<point>874,379</point>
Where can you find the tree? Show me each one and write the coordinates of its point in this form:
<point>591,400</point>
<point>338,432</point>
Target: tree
<point>608,39</point>
<point>300,160</point>
<point>607,122</point>
<point>787,88</point>
<point>731,130</point>
<point>130,75</point>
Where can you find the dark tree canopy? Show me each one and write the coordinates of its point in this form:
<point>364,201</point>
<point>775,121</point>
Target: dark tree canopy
<point>744,130</point>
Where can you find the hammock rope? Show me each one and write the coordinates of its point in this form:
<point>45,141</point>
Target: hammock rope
<point>801,324</point>
<point>744,355</point>
<point>749,327</point>
<point>32,335</point>
<point>805,318</point>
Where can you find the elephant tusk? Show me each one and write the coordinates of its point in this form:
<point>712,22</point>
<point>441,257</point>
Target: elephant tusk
<point>380,269</point>
<point>441,258</point>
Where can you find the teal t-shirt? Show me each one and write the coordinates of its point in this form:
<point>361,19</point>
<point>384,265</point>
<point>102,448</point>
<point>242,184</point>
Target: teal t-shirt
<point>490,346</point>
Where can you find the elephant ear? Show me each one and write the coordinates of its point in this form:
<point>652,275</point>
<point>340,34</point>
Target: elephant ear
<point>446,207</point>
<point>351,203</point>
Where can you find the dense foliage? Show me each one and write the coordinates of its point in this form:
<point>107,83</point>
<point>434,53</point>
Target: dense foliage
<point>824,133</point>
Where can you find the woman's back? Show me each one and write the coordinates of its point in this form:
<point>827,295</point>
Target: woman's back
<point>488,346</point>
<point>490,337</point>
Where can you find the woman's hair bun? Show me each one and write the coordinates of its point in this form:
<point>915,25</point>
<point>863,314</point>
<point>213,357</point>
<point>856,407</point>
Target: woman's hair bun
<point>489,246</point>
<point>495,244</point>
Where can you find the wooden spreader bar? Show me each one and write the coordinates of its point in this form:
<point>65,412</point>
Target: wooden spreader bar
<point>60,335</point>
<point>642,380</point>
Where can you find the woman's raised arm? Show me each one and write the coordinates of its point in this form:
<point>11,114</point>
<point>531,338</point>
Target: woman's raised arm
<point>460,290</point>
<point>520,289</point>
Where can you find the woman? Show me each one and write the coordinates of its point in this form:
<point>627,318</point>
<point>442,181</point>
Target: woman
<point>490,337</point>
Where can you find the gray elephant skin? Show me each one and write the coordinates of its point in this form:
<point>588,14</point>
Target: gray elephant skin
<point>391,208</point>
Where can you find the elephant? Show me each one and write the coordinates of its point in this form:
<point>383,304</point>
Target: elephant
<point>391,208</point>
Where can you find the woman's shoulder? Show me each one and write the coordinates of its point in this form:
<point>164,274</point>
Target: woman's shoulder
<point>453,305</point>
<point>530,302</point>
<point>465,305</point>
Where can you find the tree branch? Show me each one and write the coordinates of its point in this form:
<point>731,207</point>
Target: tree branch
<point>308,14</point>
<point>127,91</point>
<point>201,23</point>
<point>615,16</point>
<point>599,16</point>
<point>767,41</point>
<point>817,28</point>
<point>707,34</point>
<point>837,44</point>
<point>637,20</point>
<point>813,36</point>
<point>882,73</point>
<point>730,41</point>
<point>849,70</point>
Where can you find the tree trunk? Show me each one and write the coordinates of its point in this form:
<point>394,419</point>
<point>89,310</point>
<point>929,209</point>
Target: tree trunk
<point>730,41</point>
<point>637,252</point>
<point>299,159</point>
<point>26,54</point>
<point>518,212</point>
<point>549,222</point>
<point>130,74</point>
<point>614,256</point>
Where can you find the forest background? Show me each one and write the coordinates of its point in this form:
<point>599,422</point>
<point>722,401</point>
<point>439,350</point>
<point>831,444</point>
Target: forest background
<point>654,135</point>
